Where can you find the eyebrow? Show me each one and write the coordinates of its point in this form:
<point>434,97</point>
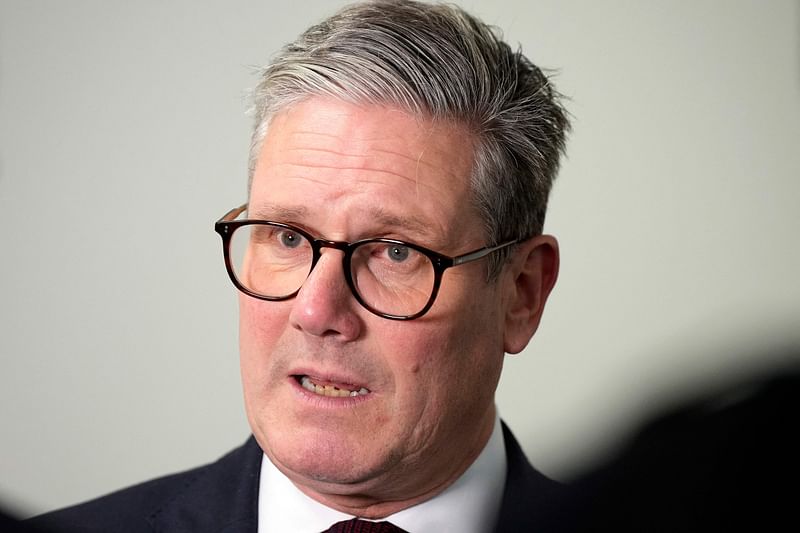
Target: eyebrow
<point>278,212</point>
<point>385,220</point>
<point>410,224</point>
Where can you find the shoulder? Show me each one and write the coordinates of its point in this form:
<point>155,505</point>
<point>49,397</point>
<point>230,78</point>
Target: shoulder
<point>139,508</point>
<point>124,510</point>
<point>530,496</point>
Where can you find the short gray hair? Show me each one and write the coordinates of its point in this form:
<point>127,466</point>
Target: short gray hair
<point>435,61</point>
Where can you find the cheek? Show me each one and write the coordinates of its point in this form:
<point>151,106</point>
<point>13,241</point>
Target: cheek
<point>470,353</point>
<point>448,361</point>
<point>259,321</point>
<point>260,327</point>
<point>446,383</point>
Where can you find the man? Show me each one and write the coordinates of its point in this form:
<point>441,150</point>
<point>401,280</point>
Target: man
<point>389,255</point>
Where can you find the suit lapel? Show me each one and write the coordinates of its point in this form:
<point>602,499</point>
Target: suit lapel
<point>222,497</point>
<point>529,496</point>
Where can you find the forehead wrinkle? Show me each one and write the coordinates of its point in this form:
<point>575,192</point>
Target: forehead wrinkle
<point>372,154</point>
<point>313,150</point>
<point>418,161</point>
<point>376,152</point>
<point>312,133</point>
<point>336,145</point>
<point>308,157</point>
<point>295,171</point>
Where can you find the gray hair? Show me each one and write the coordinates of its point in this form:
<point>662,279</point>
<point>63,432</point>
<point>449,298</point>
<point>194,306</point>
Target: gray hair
<point>439,62</point>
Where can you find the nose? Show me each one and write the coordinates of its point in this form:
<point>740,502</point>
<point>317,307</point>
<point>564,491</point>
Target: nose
<point>325,306</point>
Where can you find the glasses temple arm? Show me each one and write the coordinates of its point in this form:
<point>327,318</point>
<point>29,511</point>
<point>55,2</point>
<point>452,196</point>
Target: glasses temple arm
<point>233,213</point>
<point>477,254</point>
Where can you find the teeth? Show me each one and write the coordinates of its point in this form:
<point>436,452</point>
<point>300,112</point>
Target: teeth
<point>330,390</point>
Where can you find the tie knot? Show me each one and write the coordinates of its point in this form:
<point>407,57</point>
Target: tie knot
<point>356,525</point>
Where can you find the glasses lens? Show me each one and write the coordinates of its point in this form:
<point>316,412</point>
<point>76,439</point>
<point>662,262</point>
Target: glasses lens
<point>392,278</point>
<point>270,260</point>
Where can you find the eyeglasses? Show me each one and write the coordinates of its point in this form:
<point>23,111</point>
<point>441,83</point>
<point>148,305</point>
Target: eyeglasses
<point>393,279</point>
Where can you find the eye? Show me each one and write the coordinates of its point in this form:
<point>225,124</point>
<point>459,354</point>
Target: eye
<point>290,239</point>
<point>398,253</point>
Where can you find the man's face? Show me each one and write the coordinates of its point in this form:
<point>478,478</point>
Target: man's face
<point>343,172</point>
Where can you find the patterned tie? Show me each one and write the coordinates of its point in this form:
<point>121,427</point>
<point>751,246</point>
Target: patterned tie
<point>363,526</point>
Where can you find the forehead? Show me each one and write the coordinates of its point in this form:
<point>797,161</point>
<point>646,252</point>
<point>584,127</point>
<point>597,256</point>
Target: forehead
<point>325,160</point>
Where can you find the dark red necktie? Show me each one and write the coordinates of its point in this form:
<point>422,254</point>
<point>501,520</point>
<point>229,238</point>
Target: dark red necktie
<point>363,526</point>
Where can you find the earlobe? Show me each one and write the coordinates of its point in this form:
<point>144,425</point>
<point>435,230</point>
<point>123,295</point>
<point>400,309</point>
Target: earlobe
<point>533,274</point>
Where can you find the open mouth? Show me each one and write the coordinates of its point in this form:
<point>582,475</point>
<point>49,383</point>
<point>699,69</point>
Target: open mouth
<point>336,390</point>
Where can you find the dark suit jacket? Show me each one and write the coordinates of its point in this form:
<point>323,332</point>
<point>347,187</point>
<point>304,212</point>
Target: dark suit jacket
<point>223,498</point>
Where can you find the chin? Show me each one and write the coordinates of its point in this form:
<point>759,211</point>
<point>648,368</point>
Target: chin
<point>314,456</point>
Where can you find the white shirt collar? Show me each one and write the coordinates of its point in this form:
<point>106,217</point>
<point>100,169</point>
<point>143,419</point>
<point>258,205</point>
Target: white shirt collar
<point>471,504</point>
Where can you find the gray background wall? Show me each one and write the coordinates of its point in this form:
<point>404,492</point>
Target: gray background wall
<point>123,136</point>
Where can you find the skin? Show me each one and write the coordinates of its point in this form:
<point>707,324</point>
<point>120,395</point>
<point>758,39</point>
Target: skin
<point>346,172</point>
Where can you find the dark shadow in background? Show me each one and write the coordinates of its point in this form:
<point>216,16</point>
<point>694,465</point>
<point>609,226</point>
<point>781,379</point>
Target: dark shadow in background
<point>726,461</point>
<point>8,524</point>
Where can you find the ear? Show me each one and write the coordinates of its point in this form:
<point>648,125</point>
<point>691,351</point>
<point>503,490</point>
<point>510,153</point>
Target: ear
<point>532,274</point>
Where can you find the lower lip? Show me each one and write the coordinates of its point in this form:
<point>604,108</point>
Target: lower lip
<point>327,402</point>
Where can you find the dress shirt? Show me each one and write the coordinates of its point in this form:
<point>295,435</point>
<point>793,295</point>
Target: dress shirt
<point>470,504</point>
